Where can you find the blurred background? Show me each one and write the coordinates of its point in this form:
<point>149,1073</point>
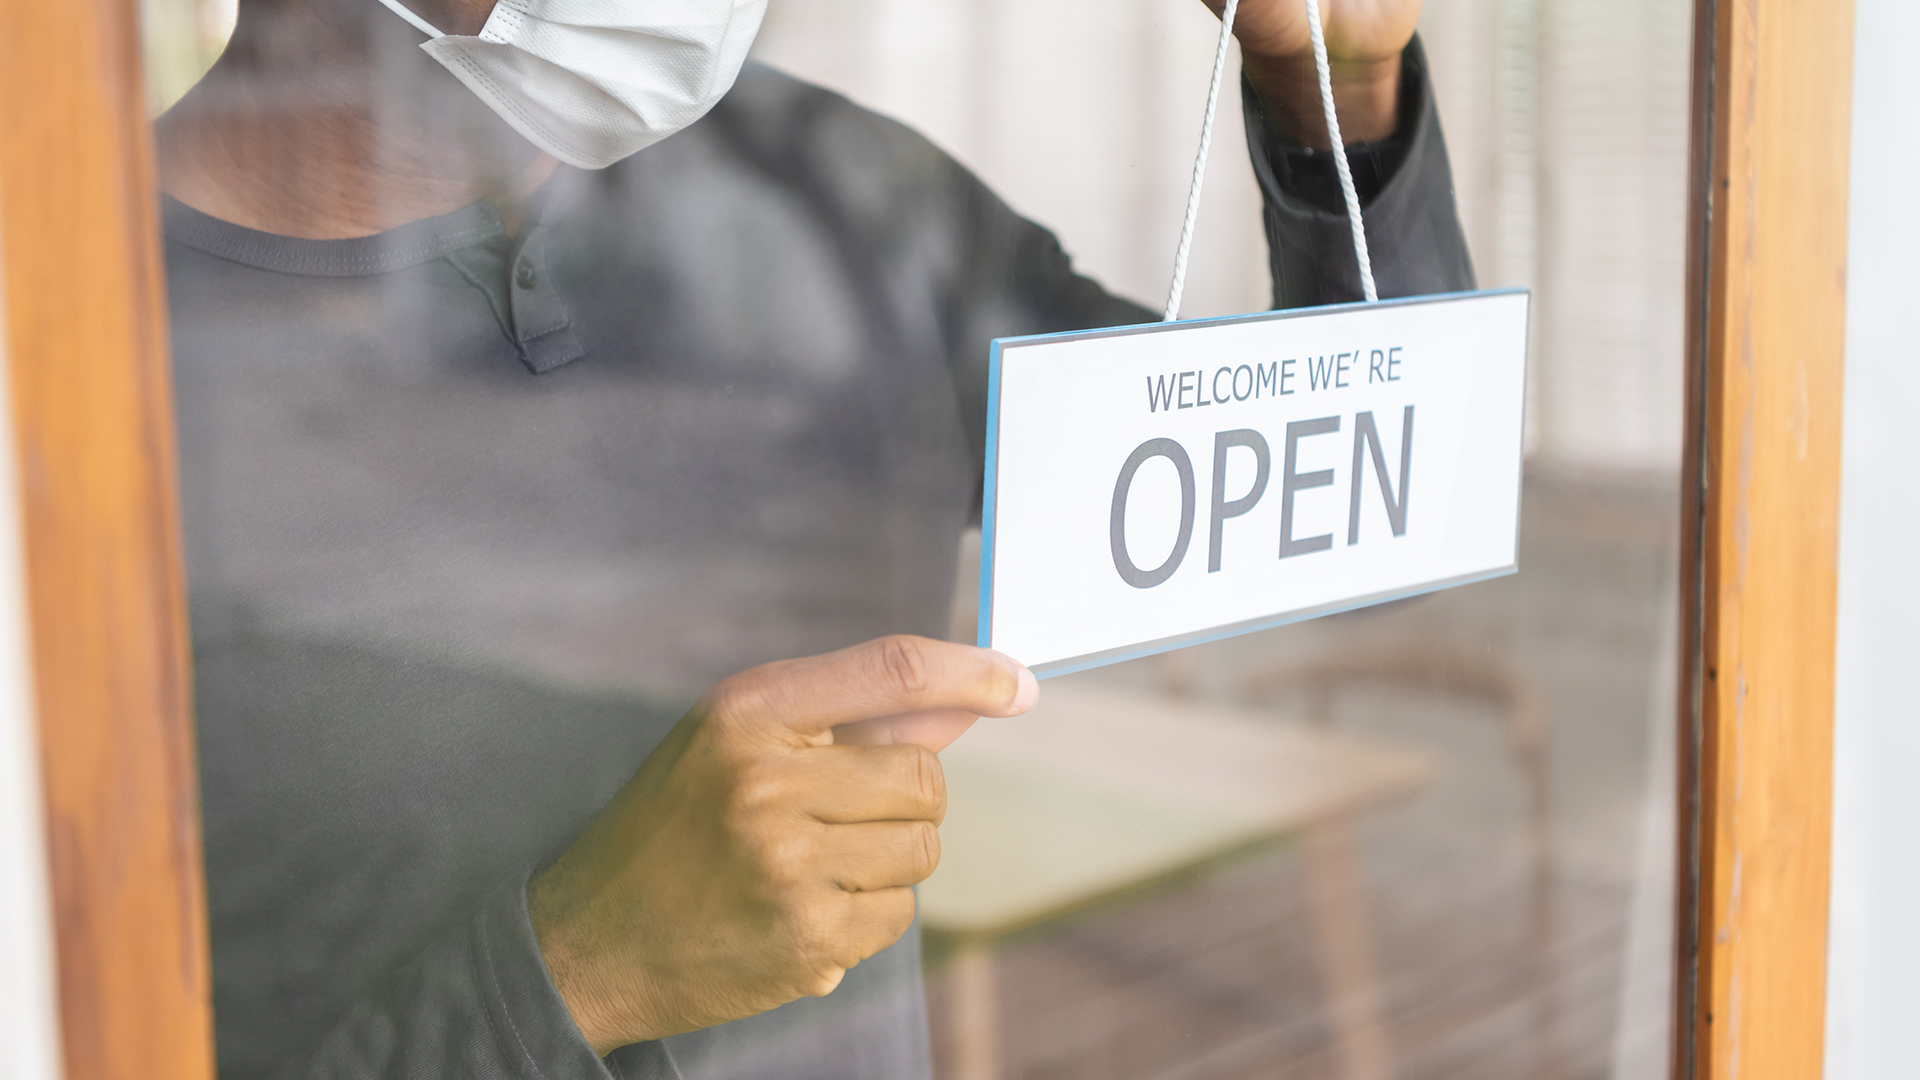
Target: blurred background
<point>1566,120</point>
<point>1486,889</point>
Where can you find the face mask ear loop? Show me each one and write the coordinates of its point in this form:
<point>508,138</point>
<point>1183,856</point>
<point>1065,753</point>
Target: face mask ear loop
<point>1200,165</point>
<point>419,23</point>
<point>1340,164</point>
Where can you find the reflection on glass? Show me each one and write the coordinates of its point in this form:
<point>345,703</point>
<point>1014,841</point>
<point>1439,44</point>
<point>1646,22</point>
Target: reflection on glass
<point>492,465</point>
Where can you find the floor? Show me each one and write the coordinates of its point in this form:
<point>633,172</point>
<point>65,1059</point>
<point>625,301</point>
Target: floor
<point>1219,980</point>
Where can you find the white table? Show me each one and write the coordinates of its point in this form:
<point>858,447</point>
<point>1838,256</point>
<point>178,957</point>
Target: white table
<point>1098,793</point>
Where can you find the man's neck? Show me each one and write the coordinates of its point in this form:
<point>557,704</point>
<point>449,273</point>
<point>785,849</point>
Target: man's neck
<point>330,146</point>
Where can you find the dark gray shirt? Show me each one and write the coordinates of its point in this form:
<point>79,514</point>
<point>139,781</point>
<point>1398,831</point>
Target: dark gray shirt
<point>471,518</point>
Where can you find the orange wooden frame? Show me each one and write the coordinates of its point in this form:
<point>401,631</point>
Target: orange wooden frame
<point>86,354</point>
<point>1767,326</point>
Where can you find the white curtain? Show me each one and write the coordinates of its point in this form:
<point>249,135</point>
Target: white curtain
<point>1567,120</point>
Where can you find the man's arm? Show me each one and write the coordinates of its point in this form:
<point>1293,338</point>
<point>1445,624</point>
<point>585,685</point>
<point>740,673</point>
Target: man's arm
<point>1014,278</point>
<point>769,844</point>
<point>1405,184</point>
<point>475,1003</point>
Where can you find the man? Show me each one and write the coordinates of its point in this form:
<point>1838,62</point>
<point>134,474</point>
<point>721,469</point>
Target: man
<point>490,466</point>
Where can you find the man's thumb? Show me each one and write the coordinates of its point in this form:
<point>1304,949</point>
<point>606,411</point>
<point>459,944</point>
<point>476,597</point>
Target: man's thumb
<point>886,677</point>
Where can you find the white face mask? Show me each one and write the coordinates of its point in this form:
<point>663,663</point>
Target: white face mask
<point>592,81</point>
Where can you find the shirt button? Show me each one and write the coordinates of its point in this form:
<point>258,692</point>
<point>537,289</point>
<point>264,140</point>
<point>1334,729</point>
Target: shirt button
<point>524,275</point>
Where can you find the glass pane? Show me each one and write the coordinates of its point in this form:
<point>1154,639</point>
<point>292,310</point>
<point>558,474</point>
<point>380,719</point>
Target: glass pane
<point>528,388</point>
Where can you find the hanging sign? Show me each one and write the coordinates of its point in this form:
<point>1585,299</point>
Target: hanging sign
<point>1156,486</point>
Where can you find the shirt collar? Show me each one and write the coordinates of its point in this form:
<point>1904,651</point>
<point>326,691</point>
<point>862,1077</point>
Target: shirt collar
<point>382,253</point>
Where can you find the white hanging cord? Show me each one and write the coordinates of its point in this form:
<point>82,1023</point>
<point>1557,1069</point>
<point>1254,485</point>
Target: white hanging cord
<point>419,23</point>
<point>1340,165</point>
<point>1200,165</point>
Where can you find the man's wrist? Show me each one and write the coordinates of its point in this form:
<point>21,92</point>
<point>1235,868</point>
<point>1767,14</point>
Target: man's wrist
<point>1366,97</point>
<point>580,991</point>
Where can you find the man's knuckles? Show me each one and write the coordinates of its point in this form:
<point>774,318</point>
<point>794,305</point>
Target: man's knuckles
<point>823,927</point>
<point>833,931</point>
<point>913,855</point>
<point>897,668</point>
<point>760,793</point>
<point>901,666</point>
<point>784,788</point>
<point>926,778</point>
<point>917,673</point>
<point>750,700</point>
<point>927,852</point>
<point>890,856</point>
<point>783,865</point>
<point>918,776</point>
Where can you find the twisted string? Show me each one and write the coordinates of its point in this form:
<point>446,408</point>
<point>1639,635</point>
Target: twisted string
<point>1340,164</point>
<point>1200,164</point>
<point>1325,72</point>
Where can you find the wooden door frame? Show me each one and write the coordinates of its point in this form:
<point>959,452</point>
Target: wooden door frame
<point>1766,313</point>
<point>91,393</point>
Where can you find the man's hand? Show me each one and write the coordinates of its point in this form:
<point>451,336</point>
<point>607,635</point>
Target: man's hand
<point>754,858</point>
<point>1364,42</point>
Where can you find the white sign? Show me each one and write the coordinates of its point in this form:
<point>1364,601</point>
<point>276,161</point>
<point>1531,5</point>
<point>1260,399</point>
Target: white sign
<point>1152,487</point>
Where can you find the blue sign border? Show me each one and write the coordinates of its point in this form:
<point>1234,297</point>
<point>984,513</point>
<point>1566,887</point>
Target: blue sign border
<point>990,490</point>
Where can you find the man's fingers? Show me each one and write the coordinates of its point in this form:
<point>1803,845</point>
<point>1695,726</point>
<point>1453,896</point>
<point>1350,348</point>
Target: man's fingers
<point>864,923</point>
<point>852,784</point>
<point>879,855</point>
<point>934,729</point>
<point>885,677</point>
<point>879,918</point>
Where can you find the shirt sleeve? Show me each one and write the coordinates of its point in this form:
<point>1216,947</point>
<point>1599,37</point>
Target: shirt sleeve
<point>1016,279</point>
<point>477,1004</point>
<point>1405,185</point>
